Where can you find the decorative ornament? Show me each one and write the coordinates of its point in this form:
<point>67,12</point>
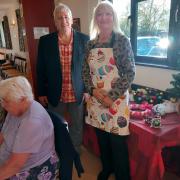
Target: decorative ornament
<point>154,122</point>
<point>149,95</point>
<point>140,111</point>
<point>165,108</point>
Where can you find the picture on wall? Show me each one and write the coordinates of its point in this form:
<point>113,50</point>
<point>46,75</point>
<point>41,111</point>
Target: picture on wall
<point>7,35</point>
<point>1,41</point>
<point>76,24</point>
<point>20,30</point>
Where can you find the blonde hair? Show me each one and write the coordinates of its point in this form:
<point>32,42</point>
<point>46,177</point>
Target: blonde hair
<point>62,7</point>
<point>94,29</point>
<point>16,88</point>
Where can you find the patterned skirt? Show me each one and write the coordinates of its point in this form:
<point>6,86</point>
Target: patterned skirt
<point>46,171</point>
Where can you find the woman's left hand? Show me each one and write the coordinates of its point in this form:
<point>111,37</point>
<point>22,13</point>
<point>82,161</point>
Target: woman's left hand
<point>107,101</point>
<point>102,96</point>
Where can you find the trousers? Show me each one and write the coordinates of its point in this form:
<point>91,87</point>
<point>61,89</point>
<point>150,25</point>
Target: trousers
<point>75,112</point>
<point>114,154</point>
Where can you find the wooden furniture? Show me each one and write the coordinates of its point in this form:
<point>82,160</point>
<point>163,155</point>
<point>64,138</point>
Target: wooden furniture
<point>15,67</point>
<point>2,58</point>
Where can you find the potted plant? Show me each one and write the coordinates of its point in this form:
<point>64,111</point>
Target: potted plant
<point>175,90</point>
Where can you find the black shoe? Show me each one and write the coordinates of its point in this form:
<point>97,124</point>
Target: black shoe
<point>103,175</point>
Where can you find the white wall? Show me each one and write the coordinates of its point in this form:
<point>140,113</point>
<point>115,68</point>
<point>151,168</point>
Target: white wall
<point>81,9</point>
<point>154,77</point>
<point>147,76</point>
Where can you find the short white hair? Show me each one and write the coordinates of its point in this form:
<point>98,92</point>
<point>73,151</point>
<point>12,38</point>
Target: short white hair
<point>16,88</point>
<point>62,7</point>
<point>94,29</point>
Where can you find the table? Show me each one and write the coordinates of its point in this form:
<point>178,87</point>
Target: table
<point>145,146</point>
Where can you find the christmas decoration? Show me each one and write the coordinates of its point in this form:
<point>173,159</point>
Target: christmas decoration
<point>165,108</point>
<point>154,122</point>
<point>149,104</point>
<point>140,111</point>
<point>145,94</point>
<point>175,90</point>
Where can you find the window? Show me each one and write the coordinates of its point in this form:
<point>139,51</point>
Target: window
<point>153,27</point>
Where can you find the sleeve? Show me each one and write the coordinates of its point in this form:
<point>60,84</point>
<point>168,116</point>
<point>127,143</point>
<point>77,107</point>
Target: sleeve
<point>29,138</point>
<point>125,65</point>
<point>41,68</point>
<point>86,74</point>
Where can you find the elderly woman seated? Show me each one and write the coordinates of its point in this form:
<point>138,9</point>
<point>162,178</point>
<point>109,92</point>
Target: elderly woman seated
<point>27,148</point>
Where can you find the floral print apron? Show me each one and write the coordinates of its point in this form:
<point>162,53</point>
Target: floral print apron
<point>104,74</point>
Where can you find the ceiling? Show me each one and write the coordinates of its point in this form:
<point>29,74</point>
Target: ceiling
<point>5,4</point>
<point>8,1</point>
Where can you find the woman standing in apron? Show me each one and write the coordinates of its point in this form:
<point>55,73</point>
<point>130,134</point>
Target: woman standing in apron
<point>108,72</point>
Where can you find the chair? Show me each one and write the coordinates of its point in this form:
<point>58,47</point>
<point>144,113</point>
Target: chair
<point>65,149</point>
<point>18,68</point>
<point>2,116</point>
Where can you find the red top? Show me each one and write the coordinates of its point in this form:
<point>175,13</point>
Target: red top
<point>67,94</point>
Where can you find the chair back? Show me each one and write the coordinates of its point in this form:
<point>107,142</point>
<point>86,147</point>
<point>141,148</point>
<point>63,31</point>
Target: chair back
<point>64,148</point>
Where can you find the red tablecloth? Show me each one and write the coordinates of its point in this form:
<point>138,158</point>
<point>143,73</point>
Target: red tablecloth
<point>145,146</point>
